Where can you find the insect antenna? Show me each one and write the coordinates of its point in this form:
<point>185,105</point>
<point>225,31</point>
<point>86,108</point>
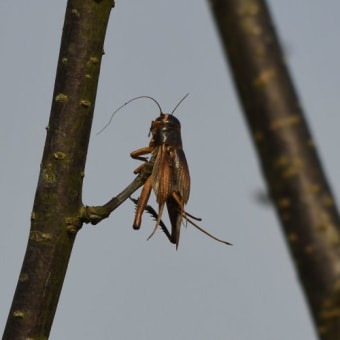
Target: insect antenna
<point>128,102</point>
<point>179,103</point>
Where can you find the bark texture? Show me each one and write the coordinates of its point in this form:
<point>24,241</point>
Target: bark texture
<point>287,154</point>
<point>55,216</point>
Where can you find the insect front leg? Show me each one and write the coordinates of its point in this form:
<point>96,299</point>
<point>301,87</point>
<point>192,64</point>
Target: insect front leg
<point>137,155</point>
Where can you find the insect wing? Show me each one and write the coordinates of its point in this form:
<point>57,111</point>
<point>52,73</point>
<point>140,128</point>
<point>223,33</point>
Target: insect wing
<point>170,173</point>
<point>176,217</point>
<point>161,174</point>
<point>180,177</point>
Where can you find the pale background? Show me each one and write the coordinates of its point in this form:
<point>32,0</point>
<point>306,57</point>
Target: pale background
<point>118,285</point>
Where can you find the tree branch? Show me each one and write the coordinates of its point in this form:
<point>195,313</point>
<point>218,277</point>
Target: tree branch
<point>95,214</point>
<point>289,159</point>
<point>58,195</point>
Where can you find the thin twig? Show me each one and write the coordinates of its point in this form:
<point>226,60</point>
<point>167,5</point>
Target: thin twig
<point>95,214</point>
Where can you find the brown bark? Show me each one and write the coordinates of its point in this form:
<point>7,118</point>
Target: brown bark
<point>287,153</point>
<point>55,216</point>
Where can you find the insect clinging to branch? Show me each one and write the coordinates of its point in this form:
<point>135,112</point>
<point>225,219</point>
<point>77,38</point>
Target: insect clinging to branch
<point>169,179</point>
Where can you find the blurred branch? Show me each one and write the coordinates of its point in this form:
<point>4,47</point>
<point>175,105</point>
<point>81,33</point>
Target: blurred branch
<point>58,195</point>
<point>287,152</point>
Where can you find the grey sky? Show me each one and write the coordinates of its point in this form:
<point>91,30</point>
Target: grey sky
<point>118,285</point>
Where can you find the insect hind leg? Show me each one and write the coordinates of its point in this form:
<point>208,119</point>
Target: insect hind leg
<point>160,212</point>
<point>142,202</point>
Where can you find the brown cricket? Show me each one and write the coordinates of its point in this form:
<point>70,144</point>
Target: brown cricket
<point>169,179</point>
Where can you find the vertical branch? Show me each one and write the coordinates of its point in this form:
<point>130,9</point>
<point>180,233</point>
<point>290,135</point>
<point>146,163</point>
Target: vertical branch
<point>287,152</point>
<point>55,217</point>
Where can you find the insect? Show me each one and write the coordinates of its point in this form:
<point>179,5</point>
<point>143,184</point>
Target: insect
<point>169,179</point>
